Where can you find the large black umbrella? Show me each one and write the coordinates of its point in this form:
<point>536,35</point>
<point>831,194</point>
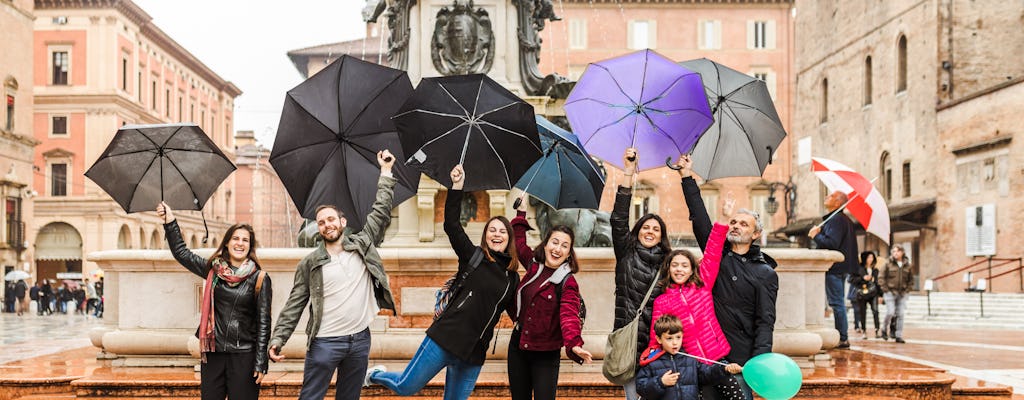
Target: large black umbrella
<point>332,127</point>
<point>566,176</point>
<point>147,164</point>
<point>747,129</point>
<point>469,120</point>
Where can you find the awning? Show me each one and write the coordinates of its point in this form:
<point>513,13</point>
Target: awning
<point>58,242</point>
<point>912,216</point>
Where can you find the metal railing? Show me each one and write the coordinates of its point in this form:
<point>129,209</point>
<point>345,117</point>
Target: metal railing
<point>989,264</point>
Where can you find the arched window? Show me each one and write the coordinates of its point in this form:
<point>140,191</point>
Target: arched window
<point>901,64</point>
<point>124,238</point>
<point>885,171</point>
<point>824,101</point>
<point>867,81</point>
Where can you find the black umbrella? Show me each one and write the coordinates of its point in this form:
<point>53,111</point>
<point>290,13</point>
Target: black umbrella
<point>469,120</point>
<point>332,127</point>
<point>566,176</point>
<point>747,129</point>
<point>147,164</point>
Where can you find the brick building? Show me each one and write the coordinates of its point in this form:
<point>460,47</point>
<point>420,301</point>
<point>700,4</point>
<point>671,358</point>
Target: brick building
<point>261,199</point>
<point>918,93</point>
<point>99,64</point>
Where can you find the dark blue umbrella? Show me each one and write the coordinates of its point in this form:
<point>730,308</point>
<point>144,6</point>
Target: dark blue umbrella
<point>565,176</point>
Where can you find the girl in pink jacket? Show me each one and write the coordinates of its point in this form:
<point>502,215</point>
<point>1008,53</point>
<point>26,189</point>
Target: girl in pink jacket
<point>687,295</point>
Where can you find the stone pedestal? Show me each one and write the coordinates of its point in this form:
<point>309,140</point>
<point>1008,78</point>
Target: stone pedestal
<point>153,303</point>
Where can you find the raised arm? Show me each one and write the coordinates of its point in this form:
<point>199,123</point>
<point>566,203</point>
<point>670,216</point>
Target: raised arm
<point>691,194</point>
<point>172,232</point>
<point>712,260</point>
<point>380,213</point>
<point>619,219</point>
<point>460,242</point>
<point>519,228</point>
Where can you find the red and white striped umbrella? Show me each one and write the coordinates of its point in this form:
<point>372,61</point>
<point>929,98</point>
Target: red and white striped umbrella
<point>866,202</point>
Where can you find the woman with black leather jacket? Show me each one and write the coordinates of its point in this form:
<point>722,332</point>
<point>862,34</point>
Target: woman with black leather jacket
<point>234,327</point>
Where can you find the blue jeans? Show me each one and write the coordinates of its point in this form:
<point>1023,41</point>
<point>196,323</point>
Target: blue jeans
<point>836,299</point>
<point>460,377</point>
<point>348,354</point>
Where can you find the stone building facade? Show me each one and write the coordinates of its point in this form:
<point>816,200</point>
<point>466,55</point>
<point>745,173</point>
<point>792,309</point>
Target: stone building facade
<point>16,140</point>
<point>100,64</point>
<point>261,199</point>
<point>916,93</point>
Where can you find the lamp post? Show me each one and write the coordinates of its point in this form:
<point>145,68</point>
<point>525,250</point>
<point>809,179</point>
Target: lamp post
<point>789,191</point>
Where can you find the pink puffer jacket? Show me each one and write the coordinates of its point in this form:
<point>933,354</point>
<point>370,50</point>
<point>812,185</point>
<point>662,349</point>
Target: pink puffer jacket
<point>702,336</point>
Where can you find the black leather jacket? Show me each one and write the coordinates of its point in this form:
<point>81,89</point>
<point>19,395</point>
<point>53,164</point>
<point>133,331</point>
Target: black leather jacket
<point>242,320</point>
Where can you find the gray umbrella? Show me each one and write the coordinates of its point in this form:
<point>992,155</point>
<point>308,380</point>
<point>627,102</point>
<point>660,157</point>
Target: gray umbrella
<point>747,129</point>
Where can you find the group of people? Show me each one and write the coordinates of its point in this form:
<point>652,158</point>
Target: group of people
<point>867,284</point>
<point>51,298</point>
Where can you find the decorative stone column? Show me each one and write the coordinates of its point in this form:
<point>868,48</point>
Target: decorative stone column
<point>425,209</point>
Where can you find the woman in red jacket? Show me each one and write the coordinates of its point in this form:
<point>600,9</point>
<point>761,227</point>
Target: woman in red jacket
<point>546,310</point>
<point>687,295</point>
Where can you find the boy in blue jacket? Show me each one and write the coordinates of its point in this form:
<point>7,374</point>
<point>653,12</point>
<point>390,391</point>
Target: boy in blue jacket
<point>667,374</point>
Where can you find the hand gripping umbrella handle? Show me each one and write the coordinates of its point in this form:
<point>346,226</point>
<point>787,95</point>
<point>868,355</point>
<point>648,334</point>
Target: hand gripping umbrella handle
<point>631,158</point>
<point>388,159</point>
<point>668,163</point>
<point>517,203</point>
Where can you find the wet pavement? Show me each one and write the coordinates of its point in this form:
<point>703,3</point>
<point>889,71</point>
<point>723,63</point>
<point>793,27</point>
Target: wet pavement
<point>32,335</point>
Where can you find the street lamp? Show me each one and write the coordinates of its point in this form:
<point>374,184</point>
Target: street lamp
<point>772,205</point>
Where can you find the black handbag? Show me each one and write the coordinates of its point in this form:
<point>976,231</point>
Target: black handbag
<point>867,291</point>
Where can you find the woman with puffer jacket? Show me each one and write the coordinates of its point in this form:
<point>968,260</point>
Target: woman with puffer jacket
<point>687,295</point>
<point>638,256</point>
<point>546,311</point>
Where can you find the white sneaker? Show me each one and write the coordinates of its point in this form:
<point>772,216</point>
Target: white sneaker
<point>373,370</point>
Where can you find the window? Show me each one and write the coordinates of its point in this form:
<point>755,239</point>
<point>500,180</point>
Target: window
<point>885,165</point>
<point>824,101</point>
<point>906,179</point>
<point>58,179</point>
<point>760,41</point>
<point>181,107</point>
<point>167,102</point>
<point>192,111</point>
<point>761,35</point>
<point>60,68</point>
<point>138,85</point>
<point>577,33</point>
<point>901,62</point>
<point>642,35</point>
<point>152,97</point>
<point>60,125</point>
<point>15,227</point>
<point>767,76</point>
<point>709,35</point>
<point>124,74</point>
<point>867,81</point>
<point>9,117</point>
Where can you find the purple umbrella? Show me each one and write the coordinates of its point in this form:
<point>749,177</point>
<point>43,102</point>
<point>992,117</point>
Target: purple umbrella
<point>641,100</point>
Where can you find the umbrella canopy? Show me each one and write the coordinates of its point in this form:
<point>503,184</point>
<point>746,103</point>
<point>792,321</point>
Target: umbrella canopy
<point>470,120</point>
<point>747,129</point>
<point>147,164</point>
<point>641,100</point>
<point>332,126</point>
<point>16,275</point>
<point>566,176</point>
<point>865,201</point>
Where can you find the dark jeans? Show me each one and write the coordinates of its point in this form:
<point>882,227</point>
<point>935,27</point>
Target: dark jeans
<point>531,374</point>
<point>347,354</point>
<point>459,381</point>
<point>860,308</point>
<point>835,294</point>
<point>229,375</point>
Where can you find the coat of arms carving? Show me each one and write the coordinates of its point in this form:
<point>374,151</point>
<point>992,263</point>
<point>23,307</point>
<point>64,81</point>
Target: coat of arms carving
<point>463,41</point>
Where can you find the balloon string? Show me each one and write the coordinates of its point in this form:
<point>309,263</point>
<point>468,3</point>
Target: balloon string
<point>705,359</point>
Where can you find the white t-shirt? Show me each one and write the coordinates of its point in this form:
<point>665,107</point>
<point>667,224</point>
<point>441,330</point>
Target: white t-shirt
<point>349,304</point>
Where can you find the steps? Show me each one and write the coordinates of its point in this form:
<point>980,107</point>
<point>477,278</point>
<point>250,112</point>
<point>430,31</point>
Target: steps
<point>961,310</point>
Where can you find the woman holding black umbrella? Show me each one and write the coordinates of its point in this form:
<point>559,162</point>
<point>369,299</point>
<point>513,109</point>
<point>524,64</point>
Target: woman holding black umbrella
<point>638,256</point>
<point>234,326</point>
<point>459,337</point>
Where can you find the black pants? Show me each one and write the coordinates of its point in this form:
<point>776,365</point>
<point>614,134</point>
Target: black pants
<point>229,375</point>
<point>531,374</point>
<point>861,310</point>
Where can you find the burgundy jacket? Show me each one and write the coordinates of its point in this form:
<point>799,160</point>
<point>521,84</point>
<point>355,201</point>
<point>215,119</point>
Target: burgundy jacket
<point>550,324</point>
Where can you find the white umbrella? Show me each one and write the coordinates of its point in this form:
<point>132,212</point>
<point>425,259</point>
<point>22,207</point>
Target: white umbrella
<point>16,275</point>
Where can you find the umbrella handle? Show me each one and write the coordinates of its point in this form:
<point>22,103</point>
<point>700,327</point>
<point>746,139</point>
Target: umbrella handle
<point>631,158</point>
<point>388,159</point>
<point>517,203</point>
<point>668,163</point>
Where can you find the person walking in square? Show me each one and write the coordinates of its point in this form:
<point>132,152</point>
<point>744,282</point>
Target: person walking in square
<point>896,280</point>
<point>458,339</point>
<point>836,233</point>
<point>865,285</point>
<point>666,373</point>
<point>234,322</point>
<point>344,283</point>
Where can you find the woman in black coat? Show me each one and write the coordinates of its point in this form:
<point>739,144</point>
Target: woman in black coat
<point>638,255</point>
<point>865,285</point>
<point>459,337</point>
<point>234,326</point>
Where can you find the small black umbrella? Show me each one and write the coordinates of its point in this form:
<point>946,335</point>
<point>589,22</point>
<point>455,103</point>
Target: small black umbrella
<point>747,129</point>
<point>146,164</point>
<point>469,120</point>
<point>566,176</point>
<point>331,128</point>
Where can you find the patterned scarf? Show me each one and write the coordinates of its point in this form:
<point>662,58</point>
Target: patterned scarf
<point>219,271</point>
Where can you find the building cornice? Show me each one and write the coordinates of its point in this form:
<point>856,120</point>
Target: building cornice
<point>147,28</point>
<point>21,139</point>
<point>687,2</point>
<point>24,13</point>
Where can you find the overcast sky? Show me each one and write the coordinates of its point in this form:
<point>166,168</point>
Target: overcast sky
<point>245,41</point>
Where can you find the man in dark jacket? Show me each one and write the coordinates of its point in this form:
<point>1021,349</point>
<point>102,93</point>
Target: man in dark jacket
<point>836,233</point>
<point>747,284</point>
<point>20,290</point>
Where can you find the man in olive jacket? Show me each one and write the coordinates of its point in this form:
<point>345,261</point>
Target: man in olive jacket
<point>344,280</point>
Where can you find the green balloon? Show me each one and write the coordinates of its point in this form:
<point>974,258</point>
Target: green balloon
<point>773,376</point>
